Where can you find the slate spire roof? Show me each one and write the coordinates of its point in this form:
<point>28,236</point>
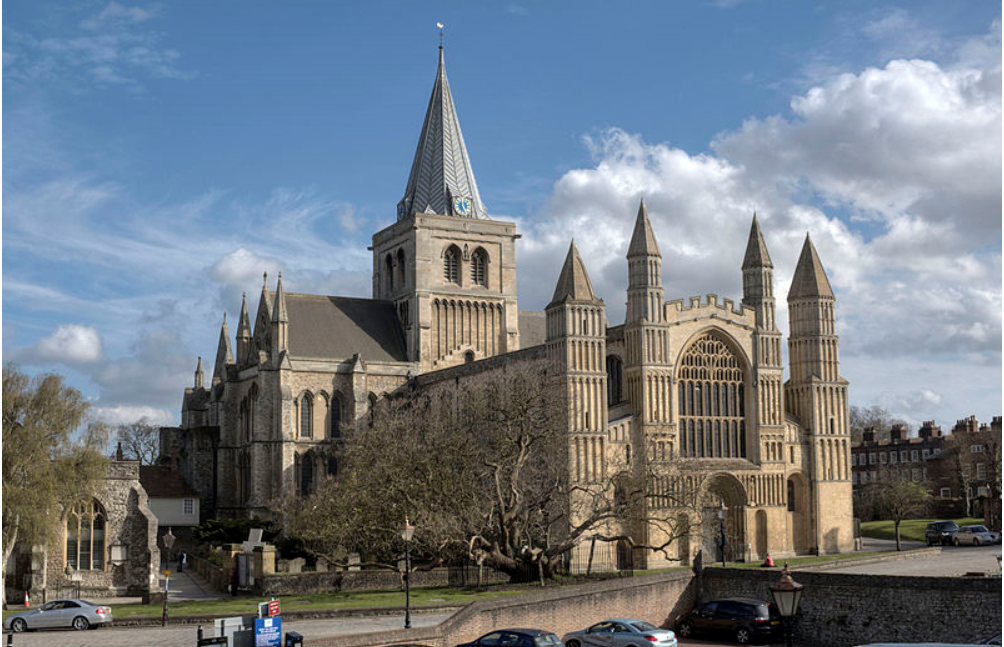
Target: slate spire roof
<point>441,171</point>
<point>643,239</point>
<point>756,250</point>
<point>810,278</point>
<point>224,354</point>
<point>573,282</point>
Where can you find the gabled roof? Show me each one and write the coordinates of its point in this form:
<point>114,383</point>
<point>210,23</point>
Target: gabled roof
<point>441,170</point>
<point>337,328</point>
<point>810,278</point>
<point>643,239</point>
<point>164,482</point>
<point>756,250</point>
<point>573,282</point>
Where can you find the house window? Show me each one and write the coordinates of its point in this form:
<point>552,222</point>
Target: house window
<point>871,458</point>
<point>85,537</point>
<point>914,455</point>
<point>946,493</point>
<point>854,478</point>
<point>976,449</point>
<point>981,470</point>
<point>916,474</point>
<point>306,416</point>
<point>925,453</point>
<point>188,506</point>
<point>883,458</point>
<point>451,265</point>
<point>904,456</point>
<point>864,478</point>
<point>892,458</point>
<point>479,268</point>
<point>854,460</point>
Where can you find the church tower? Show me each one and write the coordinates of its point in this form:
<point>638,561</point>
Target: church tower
<point>448,268</point>
<point>817,396</point>
<point>758,293</point>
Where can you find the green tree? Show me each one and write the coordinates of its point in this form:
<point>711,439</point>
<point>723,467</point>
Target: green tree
<point>52,457</point>
<point>897,499</point>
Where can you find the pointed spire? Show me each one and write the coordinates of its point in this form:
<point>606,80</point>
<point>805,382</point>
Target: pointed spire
<point>573,282</point>
<point>643,239</point>
<point>199,377</point>
<point>224,354</point>
<point>810,278</point>
<point>441,173</point>
<point>279,314</point>
<point>244,322</point>
<point>756,250</point>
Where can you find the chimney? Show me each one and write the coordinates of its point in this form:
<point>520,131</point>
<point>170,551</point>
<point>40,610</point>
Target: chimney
<point>118,452</point>
<point>868,435</point>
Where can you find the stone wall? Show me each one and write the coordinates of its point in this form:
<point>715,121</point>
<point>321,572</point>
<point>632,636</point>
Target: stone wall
<point>840,610</point>
<point>323,582</point>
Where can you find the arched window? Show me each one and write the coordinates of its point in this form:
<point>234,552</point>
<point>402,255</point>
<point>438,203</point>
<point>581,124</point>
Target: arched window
<point>389,273</point>
<point>791,495</point>
<point>401,276</point>
<point>615,380</point>
<point>306,416</point>
<point>373,407</point>
<point>479,268</point>
<point>332,466</point>
<point>451,265</point>
<point>336,416</point>
<point>85,537</point>
<point>469,357</point>
<point>710,378</point>
<point>307,475</point>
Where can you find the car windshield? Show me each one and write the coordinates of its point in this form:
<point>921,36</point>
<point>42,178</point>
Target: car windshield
<point>547,640</point>
<point>641,625</point>
<point>978,529</point>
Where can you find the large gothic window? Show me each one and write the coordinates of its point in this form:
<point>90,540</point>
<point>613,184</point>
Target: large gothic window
<point>615,380</point>
<point>451,265</point>
<point>306,416</point>
<point>711,400</point>
<point>336,416</point>
<point>85,537</point>
<point>479,268</point>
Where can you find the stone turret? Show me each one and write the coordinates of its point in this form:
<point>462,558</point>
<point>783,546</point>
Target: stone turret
<point>645,295</point>
<point>243,333</point>
<point>224,354</point>
<point>280,321</point>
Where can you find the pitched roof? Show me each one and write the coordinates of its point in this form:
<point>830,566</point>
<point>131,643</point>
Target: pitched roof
<point>643,239</point>
<point>327,327</point>
<point>441,170</point>
<point>532,328</point>
<point>164,482</point>
<point>756,250</point>
<point>573,282</point>
<point>810,278</point>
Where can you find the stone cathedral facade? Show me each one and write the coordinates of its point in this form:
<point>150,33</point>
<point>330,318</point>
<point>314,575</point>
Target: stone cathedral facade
<point>695,382</point>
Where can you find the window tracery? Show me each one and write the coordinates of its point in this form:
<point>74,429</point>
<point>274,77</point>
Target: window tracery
<point>711,400</point>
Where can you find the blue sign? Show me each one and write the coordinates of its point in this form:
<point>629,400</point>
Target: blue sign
<point>268,632</point>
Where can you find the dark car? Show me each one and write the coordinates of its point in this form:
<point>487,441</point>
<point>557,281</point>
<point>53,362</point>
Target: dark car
<point>745,619</point>
<point>516,638</point>
<point>940,532</point>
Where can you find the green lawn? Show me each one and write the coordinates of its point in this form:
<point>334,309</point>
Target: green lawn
<point>909,529</point>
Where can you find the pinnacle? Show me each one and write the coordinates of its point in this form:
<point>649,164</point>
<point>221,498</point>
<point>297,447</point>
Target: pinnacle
<point>573,282</point>
<point>643,239</point>
<point>756,249</point>
<point>810,277</point>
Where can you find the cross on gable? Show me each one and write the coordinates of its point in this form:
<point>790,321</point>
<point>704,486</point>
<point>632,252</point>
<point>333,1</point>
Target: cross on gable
<point>254,540</point>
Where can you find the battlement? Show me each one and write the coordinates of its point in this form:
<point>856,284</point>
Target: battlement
<point>695,308</point>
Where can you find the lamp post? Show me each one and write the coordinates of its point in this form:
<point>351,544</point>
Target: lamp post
<point>787,593</point>
<point>168,540</point>
<point>407,532</point>
<point>722,541</point>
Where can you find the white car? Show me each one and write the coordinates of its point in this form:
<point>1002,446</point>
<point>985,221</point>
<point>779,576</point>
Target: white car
<point>976,536</point>
<point>621,632</point>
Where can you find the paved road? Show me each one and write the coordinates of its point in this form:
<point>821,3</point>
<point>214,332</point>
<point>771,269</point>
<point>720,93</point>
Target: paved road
<point>184,635</point>
<point>952,561</point>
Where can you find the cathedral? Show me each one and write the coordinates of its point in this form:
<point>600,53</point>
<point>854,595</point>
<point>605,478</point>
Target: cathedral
<point>695,382</point>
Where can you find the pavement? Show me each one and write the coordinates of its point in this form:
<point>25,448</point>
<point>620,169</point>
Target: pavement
<point>184,586</point>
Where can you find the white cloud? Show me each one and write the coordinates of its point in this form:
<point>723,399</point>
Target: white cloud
<point>121,415</point>
<point>70,344</point>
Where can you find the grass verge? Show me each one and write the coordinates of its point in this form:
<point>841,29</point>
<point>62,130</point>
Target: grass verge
<point>909,529</point>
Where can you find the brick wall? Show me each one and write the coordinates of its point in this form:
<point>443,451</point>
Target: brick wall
<point>840,610</point>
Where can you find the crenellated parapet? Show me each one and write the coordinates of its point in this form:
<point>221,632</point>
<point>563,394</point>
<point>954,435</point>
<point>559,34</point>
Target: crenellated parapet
<point>684,310</point>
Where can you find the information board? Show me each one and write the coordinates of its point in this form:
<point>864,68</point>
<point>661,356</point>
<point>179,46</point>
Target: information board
<point>268,632</point>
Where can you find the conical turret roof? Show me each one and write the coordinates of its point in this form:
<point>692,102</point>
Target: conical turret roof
<point>441,171</point>
<point>810,278</point>
<point>244,323</point>
<point>643,239</point>
<point>573,282</point>
<point>279,312</point>
<point>224,354</point>
<point>756,250</point>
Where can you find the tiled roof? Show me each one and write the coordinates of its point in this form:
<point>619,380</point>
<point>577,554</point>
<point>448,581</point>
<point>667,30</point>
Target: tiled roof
<point>164,482</point>
<point>326,327</point>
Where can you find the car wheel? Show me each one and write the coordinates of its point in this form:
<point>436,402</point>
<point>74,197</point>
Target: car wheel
<point>684,629</point>
<point>928,540</point>
<point>743,636</point>
<point>976,541</point>
<point>956,541</point>
<point>573,643</point>
<point>80,623</point>
<point>18,625</point>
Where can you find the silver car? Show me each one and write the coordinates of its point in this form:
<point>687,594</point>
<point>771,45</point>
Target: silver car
<point>976,536</point>
<point>621,632</point>
<point>76,614</point>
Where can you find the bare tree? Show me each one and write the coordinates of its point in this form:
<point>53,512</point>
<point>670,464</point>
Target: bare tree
<point>896,499</point>
<point>51,456</point>
<point>140,440</point>
<point>873,417</point>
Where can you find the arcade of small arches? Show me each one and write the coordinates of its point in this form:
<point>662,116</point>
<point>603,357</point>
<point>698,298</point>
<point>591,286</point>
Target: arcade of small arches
<point>477,266</point>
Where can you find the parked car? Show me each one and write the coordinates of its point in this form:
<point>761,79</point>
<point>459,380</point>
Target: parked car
<point>976,536</point>
<point>940,532</point>
<point>516,638</point>
<point>78,614</point>
<point>745,619</point>
<point>620,632</point>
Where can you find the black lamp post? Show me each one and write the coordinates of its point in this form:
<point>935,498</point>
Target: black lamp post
<point>722,541</point>
<point>407,532</point>
<point>787,593</point>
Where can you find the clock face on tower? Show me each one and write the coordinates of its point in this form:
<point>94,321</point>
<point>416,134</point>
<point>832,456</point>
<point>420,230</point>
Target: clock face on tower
<point>462,206</point>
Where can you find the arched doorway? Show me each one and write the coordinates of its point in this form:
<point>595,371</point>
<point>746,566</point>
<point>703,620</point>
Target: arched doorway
<point>797,493</point>
<point>724,513</point>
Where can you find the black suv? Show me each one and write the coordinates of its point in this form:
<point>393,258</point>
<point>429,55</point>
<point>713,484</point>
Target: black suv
<point>745,619</point>
<point>940,532</point>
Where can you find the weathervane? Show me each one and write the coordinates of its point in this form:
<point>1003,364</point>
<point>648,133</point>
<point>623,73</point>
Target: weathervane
<point>440,25</point>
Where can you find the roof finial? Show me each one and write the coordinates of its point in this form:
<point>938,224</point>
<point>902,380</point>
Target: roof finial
<point>264,279</point>
<point>440,25</point>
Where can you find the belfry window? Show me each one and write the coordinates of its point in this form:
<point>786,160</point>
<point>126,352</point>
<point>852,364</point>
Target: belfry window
<point>306,416</point>
<point>615,380</point>
<point>479,268</point>
<point>390,273</point>
<point>451,265</point>
<point>711,401</point>
<point>85,537</point>
<point>400,269</point>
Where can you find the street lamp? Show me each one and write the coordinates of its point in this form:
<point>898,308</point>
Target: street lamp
<point>787,593</point>
<point>407,532</point>
<point>168,540</point>
<point>722,541</point>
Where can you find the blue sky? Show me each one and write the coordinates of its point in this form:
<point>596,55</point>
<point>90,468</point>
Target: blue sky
<point>159,157</point>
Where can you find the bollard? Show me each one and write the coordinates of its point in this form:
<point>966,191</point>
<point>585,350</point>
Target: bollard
<point>10,640</point>
<point>198,634</point>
